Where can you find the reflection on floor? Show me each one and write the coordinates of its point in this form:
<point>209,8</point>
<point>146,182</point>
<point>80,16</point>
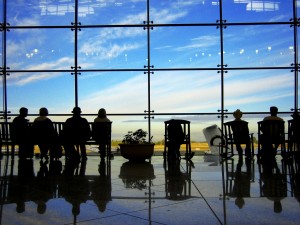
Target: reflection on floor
<point>201,191</point>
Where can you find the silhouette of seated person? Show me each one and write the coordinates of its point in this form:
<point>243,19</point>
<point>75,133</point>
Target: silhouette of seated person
<point>270,138</point>
<point>175,181</point>
<point>176,138</point>
<point>75,187</point>
<point>22,191</point>
<point>274,185</point>
<point>44,132</point>
<point>100,132</point>
<point>242,181</point>
<point>42,187</point>
<point>21,134</point>
<point>241,134</point>
<point>101,187</point>
<point>76,133</point>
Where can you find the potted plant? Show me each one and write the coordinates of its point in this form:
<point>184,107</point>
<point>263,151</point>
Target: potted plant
<point>134,146</point>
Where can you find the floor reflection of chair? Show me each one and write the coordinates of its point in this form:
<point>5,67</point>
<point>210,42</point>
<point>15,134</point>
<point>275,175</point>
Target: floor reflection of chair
<point>238,180</point>
<point>271,136</point>
<point>178,183</point>
<point>186,130</point>
<point>236,134</point>
<point>273,184</point>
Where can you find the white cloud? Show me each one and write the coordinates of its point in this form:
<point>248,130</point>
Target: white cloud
<point>21,79</point>
<point>181,92</point>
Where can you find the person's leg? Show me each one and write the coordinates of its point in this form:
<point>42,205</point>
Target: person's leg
<point>102,150</point>
<point>239,150</point>
<point>44,150</point>
<point>248,150</point>
<point>83,151</point>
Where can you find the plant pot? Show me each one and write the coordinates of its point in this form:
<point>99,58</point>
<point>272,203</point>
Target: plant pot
<point>137,175</point>
<point>136,152</point>
<point>135,171</point>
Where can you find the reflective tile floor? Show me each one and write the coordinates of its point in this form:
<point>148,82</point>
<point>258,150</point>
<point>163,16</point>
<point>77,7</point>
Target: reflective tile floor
<point>201,191</point>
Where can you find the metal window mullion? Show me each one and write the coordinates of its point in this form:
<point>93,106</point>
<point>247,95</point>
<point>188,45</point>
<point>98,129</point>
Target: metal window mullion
<point>296,65</point>
<point>75,53</point>
<point>148,70</point>
<point>222,63</point>
<point>4,61</point>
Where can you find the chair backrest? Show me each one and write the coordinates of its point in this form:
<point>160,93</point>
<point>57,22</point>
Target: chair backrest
<point>294,130</point>
<point>101,132</point>
<point>238,131</point>
<point>272,130</point>
<point>178,130</point>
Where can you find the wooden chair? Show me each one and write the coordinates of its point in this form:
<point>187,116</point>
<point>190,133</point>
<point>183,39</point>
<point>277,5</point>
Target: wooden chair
<point>236,134</point>
<point>186,130</point>
<point>271,136</point>
<point>293,136</point>
<point>101,134</point>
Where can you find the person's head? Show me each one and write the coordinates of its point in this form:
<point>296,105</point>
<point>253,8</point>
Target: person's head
<point>238,114</point>
<point>43,111</point>
<point>23,111</point>
<point>102,113</point>
<point>273,110</point>
<point>76,111</point>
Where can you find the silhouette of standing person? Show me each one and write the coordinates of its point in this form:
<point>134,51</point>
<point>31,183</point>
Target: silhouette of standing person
<point>77,131</point>
<point>44,132</point>
<point>21,134</point>
<point>100,135</point>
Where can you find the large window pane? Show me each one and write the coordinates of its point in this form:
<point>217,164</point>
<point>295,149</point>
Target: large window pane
<point>35,90</point>
<point>257,90</point>
<point>185,91</point>
<point>40,49</point>
<point>255,46</point>
<point>258,11</point>
<point>184,47</point>
<point>35,13</point>
<point>182,11</point>
<point>112,12</point>
<point>112,48</point>
<point>118,92</point>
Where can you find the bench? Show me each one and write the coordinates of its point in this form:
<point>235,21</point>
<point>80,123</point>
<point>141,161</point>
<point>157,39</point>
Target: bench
<point>6,140</point>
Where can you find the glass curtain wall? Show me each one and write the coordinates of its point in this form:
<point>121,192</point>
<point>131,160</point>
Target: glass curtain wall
<point>147,61</point>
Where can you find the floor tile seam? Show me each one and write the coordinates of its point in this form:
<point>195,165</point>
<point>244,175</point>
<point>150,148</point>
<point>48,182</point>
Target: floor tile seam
<point>207,203</point>
<point>130,215</point>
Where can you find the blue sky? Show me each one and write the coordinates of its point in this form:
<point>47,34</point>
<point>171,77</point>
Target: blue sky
<point>171,47</point>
